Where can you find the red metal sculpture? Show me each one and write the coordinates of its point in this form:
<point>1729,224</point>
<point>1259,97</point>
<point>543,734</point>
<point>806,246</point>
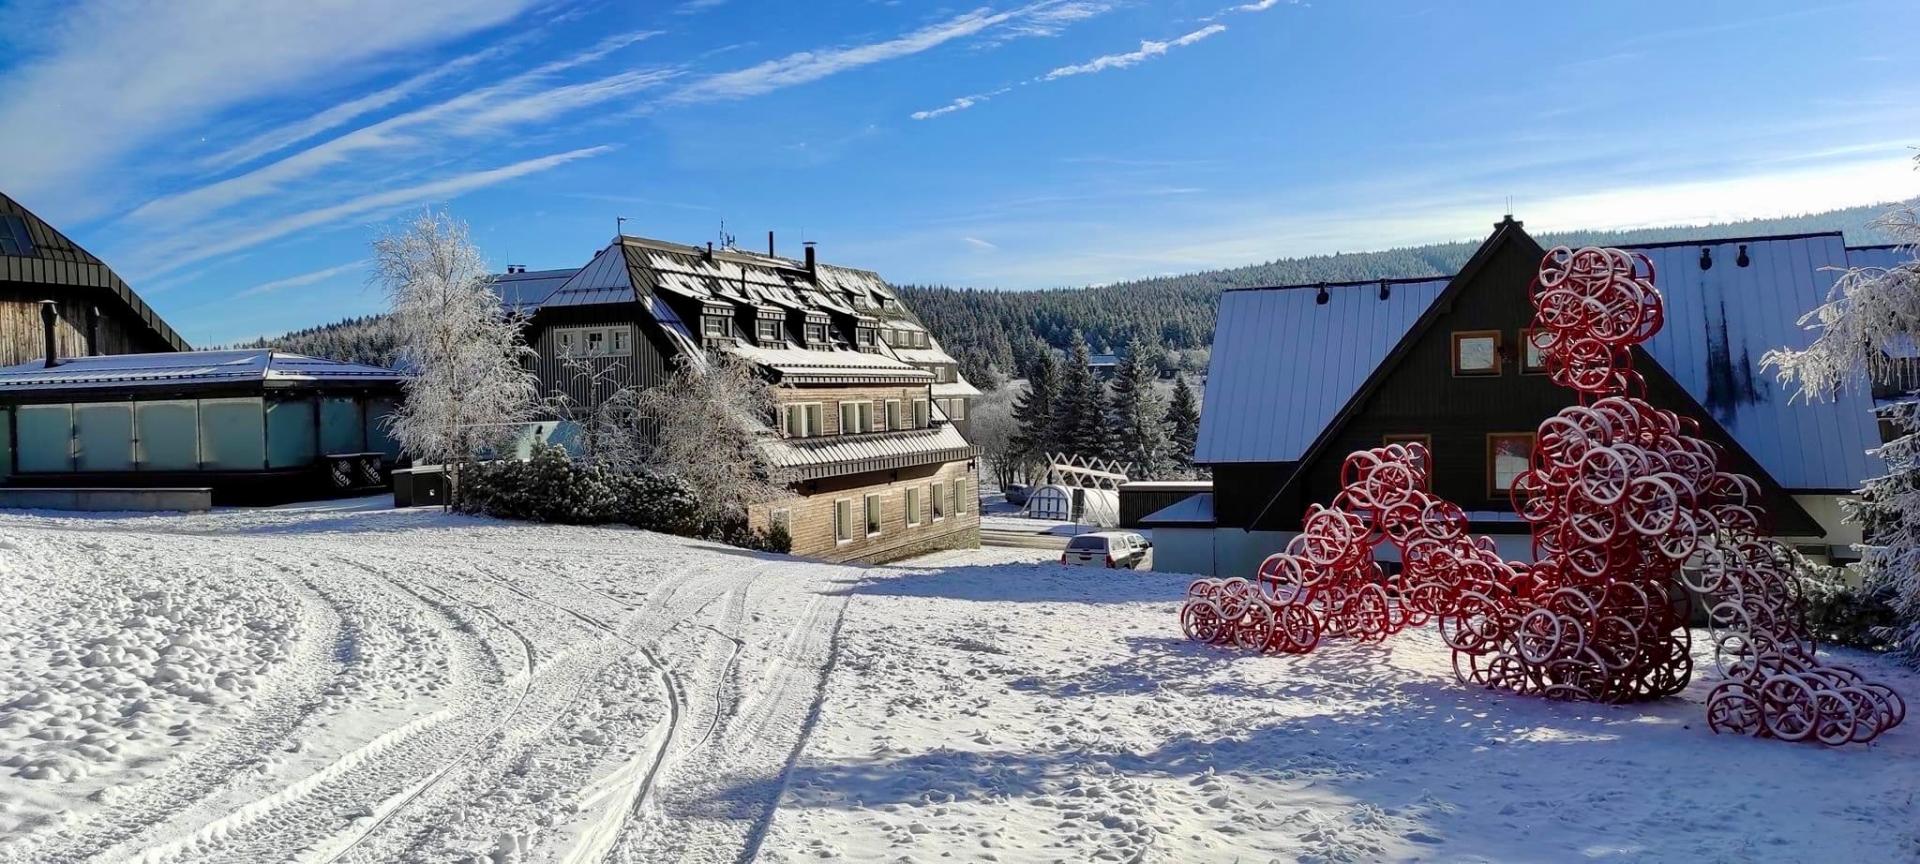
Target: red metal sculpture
<point>1631,510</point>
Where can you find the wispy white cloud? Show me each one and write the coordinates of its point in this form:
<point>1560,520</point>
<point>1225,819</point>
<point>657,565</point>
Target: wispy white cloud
<point>1148,50</point>
<point>1052,19</point>
<point>805,67</point>
<point>523,98</point>
<point>980,244</point>
<point>104,80</point>
<point>281,137</point>
<point>960,104</point>
<point>185,248</point>
<point>693,7</point>
<point>304,279</point>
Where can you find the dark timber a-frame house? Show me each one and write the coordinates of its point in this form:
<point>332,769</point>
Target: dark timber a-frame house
<point>1301,376</point>
<point>98,313</point>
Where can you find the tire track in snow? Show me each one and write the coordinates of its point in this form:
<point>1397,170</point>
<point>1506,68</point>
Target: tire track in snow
<point>214,767</point>
<point>274,828</point>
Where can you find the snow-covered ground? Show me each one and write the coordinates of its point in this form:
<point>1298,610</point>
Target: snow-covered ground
<point>346,683</point>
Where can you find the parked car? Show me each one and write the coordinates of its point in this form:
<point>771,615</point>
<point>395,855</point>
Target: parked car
<point>1017,494</point>
<point>1115,549</point>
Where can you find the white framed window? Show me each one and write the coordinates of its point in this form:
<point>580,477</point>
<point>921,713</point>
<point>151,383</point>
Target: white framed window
<point>801,420</point>
<point>920,416</point>
<point>894,420</point>
<point>913,505</point>
<point>816,419</point>
<point>610,341</point>
<point>939,503</point>
<point>816,334</point>
<point>873,515</point>
<point>766,330</point>
<point>713,325</point>
<point>865,335</point>
<point>959,497</point>
<point>849,418</point>
<point>956,409</point>
<point>843,520</point>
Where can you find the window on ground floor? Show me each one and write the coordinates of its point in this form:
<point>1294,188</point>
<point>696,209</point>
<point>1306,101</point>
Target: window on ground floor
<point>913,506</point>
<point>843,520</point>
<point>1508,454</point>
<point>959,497</point>
<point>939,502</point>
<point>873,515</point>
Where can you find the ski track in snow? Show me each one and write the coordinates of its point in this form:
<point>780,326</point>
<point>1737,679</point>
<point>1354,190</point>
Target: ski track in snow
<point>435,688</point>
<point>345,683</point>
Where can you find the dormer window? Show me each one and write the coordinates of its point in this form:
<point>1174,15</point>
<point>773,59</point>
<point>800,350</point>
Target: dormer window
<point>816,334</point>
<point>713,325</point>
<point>866,335</point>
<point>766,331</point>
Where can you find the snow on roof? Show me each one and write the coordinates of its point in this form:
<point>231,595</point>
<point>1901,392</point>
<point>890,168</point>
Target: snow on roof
<point>918,446</point>
<point>792,362</point>
<point>135,370</point>
<point>951,389</point>
<point>1191,510</point>
<point>1283,364</point>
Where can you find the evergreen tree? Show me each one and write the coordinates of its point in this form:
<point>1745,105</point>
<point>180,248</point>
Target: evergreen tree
<point>1139,414</point>
<point>1869,323</point>
<point>1080,411</point>
<point>1034,410</point>
<point>1183,428</point>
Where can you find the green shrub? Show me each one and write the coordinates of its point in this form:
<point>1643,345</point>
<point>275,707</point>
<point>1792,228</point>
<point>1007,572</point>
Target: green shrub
<point>1840,613</point>
<point>551,487</point>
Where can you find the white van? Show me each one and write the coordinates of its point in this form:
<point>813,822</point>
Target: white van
<point>1115,549</point>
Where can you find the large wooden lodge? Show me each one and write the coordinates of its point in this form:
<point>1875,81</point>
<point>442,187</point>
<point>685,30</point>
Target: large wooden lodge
<point>1303,375</point>
<point>871,410</point>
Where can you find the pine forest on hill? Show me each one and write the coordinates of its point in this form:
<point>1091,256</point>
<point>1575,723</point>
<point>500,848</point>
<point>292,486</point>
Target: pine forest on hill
<point>993,333</point>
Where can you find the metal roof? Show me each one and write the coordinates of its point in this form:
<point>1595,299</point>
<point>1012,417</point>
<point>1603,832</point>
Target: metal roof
<point>185,367</point>
<point>820,457</point>
<point>524,291</point>
<point>603,280</point>
<point>1191,510</point>
<point>1719,323</point>
<point>54,259</point>
<point>1283,365</point>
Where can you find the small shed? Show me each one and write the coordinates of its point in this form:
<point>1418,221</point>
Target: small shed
<point>252,425</point>
<point>1142,498</point>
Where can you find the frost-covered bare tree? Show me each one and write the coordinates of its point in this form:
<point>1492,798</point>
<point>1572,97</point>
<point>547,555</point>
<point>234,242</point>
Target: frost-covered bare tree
<point>711,429</point>
<point>612,434</point>
<point>1869,329</point>
<point>996,432</point>
<point>469,392</point>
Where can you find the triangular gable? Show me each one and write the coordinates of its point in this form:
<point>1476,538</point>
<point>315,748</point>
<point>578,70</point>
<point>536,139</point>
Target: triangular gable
<point>58,261</point>
<point>1663,390</point>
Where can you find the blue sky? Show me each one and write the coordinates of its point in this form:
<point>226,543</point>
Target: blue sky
<point>233,160</point>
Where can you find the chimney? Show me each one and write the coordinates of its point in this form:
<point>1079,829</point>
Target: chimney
<point>709,250</point>
<point>810,262</point>
<point>93,331</point>
<point>516,268</point>
<point>48,315</point>
<point>770,245</point>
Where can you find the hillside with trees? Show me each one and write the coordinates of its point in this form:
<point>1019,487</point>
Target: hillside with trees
<point>994,333</point>
<point>994,328</point>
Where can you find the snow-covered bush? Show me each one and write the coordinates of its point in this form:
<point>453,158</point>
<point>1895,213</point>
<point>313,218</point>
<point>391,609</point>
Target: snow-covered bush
<point>1845,612</point>
<point>552,487</point>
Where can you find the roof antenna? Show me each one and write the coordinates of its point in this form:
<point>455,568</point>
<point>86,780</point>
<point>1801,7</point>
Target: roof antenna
<point>619,227</point>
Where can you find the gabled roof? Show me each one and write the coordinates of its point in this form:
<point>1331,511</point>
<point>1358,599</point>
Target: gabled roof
<point>1283,363</point>
<point>55,260</point>
<point>1286,369</point>
<point>186,367</point>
